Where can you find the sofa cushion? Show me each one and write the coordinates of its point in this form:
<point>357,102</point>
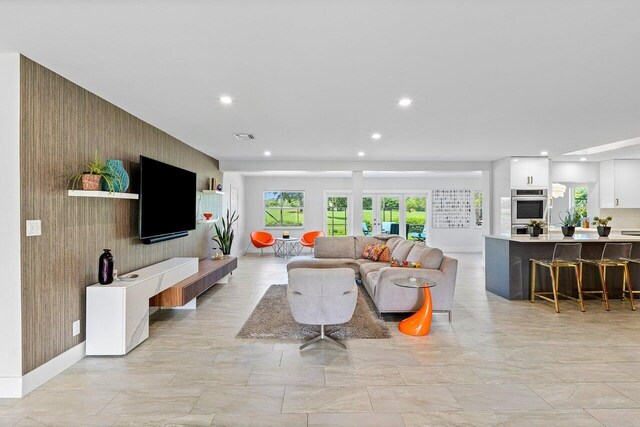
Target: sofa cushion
<point>372,266</point>
<point>402,250</point>
<point>335,247</point>
<point>426,256</point>
<point>363,261</point>
<point>393,242</point>
<point>308,261</point>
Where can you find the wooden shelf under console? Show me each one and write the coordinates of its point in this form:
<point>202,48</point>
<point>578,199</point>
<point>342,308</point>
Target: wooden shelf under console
<point>209,272</point>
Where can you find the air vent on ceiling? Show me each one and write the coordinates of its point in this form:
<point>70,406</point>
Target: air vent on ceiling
<point>244,136</point>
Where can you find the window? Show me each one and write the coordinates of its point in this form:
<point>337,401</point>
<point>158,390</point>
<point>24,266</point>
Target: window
<point>478,201</point>
<point>579,198</point>
<point>337,223</point>
<point>283,209</point>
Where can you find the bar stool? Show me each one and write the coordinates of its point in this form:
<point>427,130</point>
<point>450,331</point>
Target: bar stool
<point>630,291</point>
<point>613,255</point>
<point>565,255</point>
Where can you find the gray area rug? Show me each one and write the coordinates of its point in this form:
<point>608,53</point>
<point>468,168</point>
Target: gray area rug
<point>272,319</point>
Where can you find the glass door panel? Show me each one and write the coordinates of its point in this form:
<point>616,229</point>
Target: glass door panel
<point>389,217</point>
<point>337,215</point>
<point>415,218</point>
<point>369,222</point>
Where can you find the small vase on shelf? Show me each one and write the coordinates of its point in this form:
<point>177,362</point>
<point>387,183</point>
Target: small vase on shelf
<point>105,267</point>
<point>121,177</point>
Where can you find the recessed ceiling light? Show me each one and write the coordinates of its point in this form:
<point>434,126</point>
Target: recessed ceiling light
<point>544,153</point>
<point>360,153</point>
<point>583,159</point>
<point>267,153</point>
<point>405,102</point>
<point>226,100</point>
<point>376,136</point>
<point>515,160</point>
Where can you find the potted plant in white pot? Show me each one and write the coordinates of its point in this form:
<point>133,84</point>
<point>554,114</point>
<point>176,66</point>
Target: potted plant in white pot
<point>603,225</point>
<point>535,227</point>
<point>569,223</point>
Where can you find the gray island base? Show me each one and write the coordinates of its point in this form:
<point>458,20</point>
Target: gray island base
<point>507,266</point>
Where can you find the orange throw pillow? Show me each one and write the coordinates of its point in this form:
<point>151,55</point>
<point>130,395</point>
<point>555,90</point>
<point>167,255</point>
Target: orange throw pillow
<point>385,255</point>
<point>373,252</point>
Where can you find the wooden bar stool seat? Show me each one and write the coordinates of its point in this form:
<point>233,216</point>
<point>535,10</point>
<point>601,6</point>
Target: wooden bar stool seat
<point>613,255</point>
<point>565,255</point>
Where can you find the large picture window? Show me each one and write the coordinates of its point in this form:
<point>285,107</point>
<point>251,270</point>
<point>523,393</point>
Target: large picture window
<point>283,209</point>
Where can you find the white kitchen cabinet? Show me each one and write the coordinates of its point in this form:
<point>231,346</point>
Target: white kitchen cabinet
<point>529,172</point>
<point>619,181</point>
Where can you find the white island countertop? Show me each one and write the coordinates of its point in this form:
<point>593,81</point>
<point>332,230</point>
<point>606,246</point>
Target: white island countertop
<point>557,238</point>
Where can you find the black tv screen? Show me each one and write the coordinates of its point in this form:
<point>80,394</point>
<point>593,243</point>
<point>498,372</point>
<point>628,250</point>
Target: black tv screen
<point>167,201</point>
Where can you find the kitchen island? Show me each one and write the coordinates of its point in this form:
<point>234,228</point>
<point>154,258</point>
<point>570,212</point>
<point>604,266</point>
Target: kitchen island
<point>507,264</point>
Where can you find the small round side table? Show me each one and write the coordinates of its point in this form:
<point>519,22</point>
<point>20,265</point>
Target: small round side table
<point>419,323</point>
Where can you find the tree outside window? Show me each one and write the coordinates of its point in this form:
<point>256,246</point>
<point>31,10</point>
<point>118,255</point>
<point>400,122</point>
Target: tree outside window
<point>579,200</point>
<point>283,209</point>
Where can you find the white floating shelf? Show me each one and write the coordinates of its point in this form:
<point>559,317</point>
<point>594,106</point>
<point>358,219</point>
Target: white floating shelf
<point>102,194</point>
<point>208,221</point>
<point>221,193</point>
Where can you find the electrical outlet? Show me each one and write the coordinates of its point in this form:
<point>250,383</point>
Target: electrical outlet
<point>34,227</point>
<point>76,328</point>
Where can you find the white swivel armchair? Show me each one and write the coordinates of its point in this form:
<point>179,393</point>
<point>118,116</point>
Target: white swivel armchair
<point>322,297</point>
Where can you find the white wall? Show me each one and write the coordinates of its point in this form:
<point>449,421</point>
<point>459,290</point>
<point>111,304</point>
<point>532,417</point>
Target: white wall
<point>10,287</point>
<point>236,180</point>
<point>574,174</point>
<point>451,240</point>
<point>501,197</point>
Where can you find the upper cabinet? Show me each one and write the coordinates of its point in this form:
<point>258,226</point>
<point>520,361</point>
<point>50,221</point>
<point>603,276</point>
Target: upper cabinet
<point>619,184</point>
<point>529,172</point>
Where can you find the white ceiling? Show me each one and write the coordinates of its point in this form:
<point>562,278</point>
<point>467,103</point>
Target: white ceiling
<point>313,79</point>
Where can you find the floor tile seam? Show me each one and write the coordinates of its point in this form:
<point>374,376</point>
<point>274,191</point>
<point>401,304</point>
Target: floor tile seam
<point>608,384</point>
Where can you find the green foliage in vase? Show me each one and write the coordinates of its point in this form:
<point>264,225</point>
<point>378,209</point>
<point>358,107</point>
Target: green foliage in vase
<point>602,222</point>
<point>224,235</point>
<point>96,167</point>
<point>571,219</point>
<point>536,223</point>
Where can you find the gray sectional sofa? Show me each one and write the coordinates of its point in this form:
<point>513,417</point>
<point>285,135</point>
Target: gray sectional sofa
<point>377,277</point>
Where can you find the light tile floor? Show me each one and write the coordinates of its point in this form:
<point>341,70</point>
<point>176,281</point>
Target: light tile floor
<point>498,363</point>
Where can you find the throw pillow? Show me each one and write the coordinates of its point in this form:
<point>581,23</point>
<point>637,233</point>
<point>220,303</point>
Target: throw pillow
<point>385,255</point>
<point>406,264</point>
<point>372,252</point>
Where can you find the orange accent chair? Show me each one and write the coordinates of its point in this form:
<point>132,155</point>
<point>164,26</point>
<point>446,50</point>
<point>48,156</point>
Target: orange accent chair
<point>309,239</point>
<point>262,239</point>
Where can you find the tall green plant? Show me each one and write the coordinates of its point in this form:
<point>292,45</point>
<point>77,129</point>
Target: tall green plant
<point>571,219</point>
<point>224,235</point>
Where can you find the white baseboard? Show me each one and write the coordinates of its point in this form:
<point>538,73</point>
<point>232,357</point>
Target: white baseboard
<point>21,386</point>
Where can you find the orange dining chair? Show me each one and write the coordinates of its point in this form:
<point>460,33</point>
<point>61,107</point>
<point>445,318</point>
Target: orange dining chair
<point>308,239</point>
<point>262,239</point>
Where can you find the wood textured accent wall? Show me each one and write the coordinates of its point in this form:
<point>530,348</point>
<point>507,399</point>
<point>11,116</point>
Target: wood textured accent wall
<point>62,125</point>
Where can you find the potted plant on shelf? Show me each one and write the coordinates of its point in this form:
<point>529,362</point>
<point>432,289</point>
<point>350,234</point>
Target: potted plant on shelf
<point>569,223</point>
<point>535,227</point>
<point>94,172</point>
<point>224,235</point>
<point>603,225</point>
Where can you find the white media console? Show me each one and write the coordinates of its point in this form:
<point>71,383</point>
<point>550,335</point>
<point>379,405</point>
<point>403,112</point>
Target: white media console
<point>118,314</point>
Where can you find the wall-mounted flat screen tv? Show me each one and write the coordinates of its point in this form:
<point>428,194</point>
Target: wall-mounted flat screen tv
<point>167,201</point>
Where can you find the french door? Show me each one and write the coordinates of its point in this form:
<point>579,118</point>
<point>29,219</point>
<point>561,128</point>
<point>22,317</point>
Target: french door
<point>337,214</point>
<point>398,214</point>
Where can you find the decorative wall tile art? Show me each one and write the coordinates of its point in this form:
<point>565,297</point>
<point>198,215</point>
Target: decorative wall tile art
<point>451,208</point>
